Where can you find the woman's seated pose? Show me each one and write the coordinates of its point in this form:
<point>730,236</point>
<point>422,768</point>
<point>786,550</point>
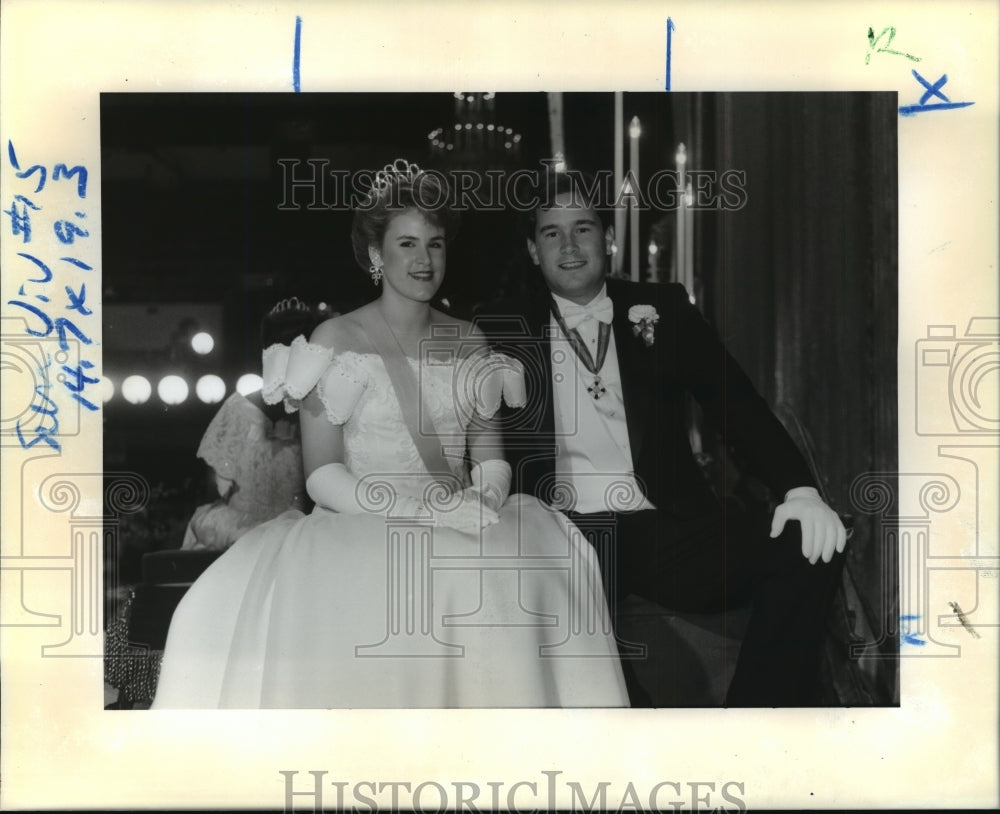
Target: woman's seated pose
<point>416,581</point>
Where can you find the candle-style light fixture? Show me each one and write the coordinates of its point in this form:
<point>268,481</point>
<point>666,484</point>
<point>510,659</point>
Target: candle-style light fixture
<point>689,241</point>
<point>618,257</point>
<point>680,161</point>
<point>684,264</point>
<point>634,131</point>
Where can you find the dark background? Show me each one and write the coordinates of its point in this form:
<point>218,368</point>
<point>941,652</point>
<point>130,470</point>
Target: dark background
<point>801,282</point>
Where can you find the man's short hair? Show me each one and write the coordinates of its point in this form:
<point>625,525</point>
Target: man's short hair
<point>592,192</point>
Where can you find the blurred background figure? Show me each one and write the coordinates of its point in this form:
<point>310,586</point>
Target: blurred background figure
<point>253,450</point>
<point>254,455</point>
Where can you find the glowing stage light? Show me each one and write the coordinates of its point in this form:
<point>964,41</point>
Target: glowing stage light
<point>136,389</point>
<point>249,383</point>
<point>105,389</point>
<point>202,343</point>
<point>172,390</point>
<point>210,389</point>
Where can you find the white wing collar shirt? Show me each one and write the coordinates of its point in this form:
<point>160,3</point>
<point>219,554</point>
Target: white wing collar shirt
<point>594,456</point>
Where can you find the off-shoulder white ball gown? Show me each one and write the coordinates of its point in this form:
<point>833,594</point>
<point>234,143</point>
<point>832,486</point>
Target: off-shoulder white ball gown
<point>332,610</point>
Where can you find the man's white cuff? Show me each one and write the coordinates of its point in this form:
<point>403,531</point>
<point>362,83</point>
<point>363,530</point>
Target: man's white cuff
<point>803,491</point>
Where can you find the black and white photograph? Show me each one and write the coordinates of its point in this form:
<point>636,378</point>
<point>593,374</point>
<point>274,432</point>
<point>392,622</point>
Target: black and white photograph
<point>499,399</point>
<point>619,432</point>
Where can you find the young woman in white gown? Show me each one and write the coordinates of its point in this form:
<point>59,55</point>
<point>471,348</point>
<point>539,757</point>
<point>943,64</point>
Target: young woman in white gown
<point>416,581</point>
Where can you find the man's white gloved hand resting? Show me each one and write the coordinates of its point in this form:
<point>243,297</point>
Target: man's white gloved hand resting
<point>822,531</point>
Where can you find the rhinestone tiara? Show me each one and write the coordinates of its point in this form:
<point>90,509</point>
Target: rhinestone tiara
<point>398,170</point>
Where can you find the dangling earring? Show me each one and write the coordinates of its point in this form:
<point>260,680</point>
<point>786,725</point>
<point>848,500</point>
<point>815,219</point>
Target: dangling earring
<point>375,269</point>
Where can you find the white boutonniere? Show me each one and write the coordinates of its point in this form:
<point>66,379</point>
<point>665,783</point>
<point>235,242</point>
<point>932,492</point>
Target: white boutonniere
<point>644,319</point>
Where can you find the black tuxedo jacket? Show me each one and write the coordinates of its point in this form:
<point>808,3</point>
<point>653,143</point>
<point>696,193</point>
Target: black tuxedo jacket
<point>685,358</point>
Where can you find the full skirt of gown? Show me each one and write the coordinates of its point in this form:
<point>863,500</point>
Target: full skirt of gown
<point>332,610</point>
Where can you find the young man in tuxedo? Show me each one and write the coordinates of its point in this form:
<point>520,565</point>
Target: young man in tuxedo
<point>609,367</point>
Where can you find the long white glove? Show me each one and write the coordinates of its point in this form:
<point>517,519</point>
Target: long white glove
<point>822,531</point>
<point>332,486</point>
<point>481,502</point>
<point>469,514</point>
<point>491,482</point>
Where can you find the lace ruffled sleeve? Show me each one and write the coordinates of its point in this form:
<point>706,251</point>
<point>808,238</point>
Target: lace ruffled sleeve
<point>232,428</point>
<point>341,386</point>
<point>290,372</point>
<point>487,377</point>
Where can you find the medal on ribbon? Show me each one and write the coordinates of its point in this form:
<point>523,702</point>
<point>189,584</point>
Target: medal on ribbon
<point>596,388</point>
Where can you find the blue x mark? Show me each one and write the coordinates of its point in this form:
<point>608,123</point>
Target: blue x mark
<point>931,92</point>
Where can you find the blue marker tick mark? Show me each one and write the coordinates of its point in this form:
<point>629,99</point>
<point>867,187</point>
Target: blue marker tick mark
<point>297,56</point>
<point>905,634</point>
<point>909,110</point>
<point>670,32</point>
<point>77,263</point>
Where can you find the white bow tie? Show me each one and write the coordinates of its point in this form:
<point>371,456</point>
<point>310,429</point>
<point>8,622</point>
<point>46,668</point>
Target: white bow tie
<point>575,315</point>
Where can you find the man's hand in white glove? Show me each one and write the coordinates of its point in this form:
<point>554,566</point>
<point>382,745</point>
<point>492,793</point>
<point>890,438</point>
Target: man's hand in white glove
<point>822,531</point>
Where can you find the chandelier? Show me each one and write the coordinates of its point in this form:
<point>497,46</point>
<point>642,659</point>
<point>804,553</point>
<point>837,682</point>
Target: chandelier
<point>475,140</point>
